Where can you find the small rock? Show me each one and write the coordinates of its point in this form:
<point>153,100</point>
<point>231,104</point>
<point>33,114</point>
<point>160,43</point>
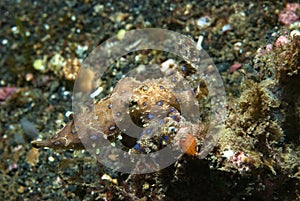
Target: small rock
<point>21,189</point>
<point>234,67</point>
<point>39,64</point>
<point>204,22</point>
<point>33,156</point>
<point>29,129</point>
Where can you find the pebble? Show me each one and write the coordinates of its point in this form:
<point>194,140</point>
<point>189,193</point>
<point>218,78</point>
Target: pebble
<point>39,64</point>
<point>33,156</point>
<point>21,189</point>
<point>4,42</point>
<point>51,159</point>
<point>29,129</point>
<point>121,34</point>
<point>204,22</point>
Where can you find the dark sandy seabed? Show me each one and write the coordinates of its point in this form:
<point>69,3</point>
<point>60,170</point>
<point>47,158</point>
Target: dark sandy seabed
<point>42,45</point>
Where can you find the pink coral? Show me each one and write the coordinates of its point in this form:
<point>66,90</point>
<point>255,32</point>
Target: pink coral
<point>288,15</point>
<point>281,40</point>
<point>234,67</point>
<point>6,92</point>
<point>269,47</point>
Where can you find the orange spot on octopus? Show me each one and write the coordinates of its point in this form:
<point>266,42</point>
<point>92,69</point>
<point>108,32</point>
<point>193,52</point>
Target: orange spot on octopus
<point>188,144</point>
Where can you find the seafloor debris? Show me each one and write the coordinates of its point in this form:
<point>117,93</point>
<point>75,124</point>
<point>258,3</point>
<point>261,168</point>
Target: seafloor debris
<point>264,121</point>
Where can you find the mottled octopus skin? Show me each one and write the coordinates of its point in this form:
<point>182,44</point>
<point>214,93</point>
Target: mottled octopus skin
<point>158,97</point>
<point>67,138</point>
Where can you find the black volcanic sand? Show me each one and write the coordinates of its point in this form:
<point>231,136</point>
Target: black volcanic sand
<point>38,30</point>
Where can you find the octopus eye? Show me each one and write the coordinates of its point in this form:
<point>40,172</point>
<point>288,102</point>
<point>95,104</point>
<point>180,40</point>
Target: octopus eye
<point>173,129</point>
